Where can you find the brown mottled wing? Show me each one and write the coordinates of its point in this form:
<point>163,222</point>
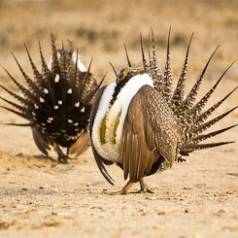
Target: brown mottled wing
<point>81,145</point>
<point>149,131</point>
<point>99,160</point>
<point>40,142</point>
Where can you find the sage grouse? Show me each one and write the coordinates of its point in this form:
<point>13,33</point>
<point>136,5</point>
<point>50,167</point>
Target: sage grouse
<point>143,126</point>
<point>57,102</point>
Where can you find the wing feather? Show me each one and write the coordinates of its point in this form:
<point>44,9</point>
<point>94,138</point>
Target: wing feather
<point>149,132</point>
<point>138,146</point>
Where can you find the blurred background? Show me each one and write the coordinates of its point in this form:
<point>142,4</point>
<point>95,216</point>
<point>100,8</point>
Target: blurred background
<point>99,28</point>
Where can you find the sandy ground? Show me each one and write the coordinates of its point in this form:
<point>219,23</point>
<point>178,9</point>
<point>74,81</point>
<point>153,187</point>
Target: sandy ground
<point>41,198</point>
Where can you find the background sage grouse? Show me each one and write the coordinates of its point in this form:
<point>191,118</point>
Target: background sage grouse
<point>57,102</point>
<point>143,126</point>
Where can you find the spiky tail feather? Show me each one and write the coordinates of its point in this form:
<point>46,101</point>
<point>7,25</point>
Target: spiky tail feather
<point>189,115</point>
<point>192,121</point>
<point>57,101</point>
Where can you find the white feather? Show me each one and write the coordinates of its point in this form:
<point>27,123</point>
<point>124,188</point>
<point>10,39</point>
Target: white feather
<point>110,150</point>
<point>102,110</point>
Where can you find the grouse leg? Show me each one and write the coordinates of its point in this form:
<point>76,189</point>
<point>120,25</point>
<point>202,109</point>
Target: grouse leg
<point>144,187</point>
<point>62,158</point>
<point>124,190</point>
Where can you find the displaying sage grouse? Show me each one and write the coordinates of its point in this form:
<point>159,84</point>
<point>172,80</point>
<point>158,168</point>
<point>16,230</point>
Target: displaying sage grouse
<point>143,126</point>
<point>57,102</point>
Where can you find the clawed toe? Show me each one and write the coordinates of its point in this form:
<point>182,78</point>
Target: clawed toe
<point>146,189</point>
<point>124,190</point>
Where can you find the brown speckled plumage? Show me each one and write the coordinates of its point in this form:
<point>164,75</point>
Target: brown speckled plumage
<point>160,125</point>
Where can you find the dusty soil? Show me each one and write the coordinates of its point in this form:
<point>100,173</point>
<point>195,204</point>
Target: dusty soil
<point>41,198</point>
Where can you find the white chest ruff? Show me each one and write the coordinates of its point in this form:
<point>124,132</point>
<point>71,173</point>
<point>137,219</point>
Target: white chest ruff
<point>110,148</point>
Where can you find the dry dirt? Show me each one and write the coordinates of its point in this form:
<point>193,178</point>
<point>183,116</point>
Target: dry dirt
<point>41,198</point>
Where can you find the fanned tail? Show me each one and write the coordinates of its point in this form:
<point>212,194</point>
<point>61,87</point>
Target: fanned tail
<point>193,121</point>
<point>191,116</point>
<point>57,101</point>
